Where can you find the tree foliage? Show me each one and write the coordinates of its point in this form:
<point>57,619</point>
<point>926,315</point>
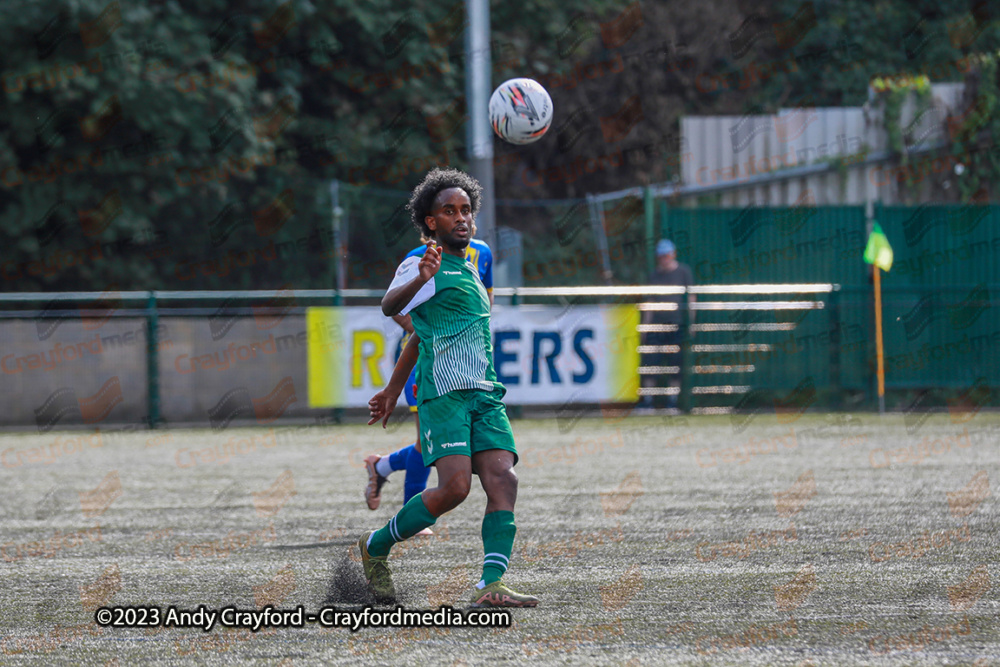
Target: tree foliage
<point>168,145</point>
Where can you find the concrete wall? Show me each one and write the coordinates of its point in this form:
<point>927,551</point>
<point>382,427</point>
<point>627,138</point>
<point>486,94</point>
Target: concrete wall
<point>63,372</point>
<point>66,370</point>
<point>727,149</point>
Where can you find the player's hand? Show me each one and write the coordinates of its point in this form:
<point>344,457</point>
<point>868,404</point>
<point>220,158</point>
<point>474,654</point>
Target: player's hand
<point>430,262</point>
<point>381,406</point>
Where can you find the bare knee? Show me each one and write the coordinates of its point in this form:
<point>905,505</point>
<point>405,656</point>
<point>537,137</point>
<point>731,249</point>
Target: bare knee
<point>501,489</point>
<point>507,479</point>
<point>502,477</point>
<point>455,489</point>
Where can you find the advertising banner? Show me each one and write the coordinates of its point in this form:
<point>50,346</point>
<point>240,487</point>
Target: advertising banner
<point>543,355</point>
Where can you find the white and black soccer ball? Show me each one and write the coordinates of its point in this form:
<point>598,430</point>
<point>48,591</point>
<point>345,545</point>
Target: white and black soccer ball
<point>520,111</point>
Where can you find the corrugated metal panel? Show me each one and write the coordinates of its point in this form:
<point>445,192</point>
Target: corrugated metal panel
<point>726,154</point>
<point>773,353</point>
<point>727,149</point>
<point>759,244</point>
<point>943,244</point>
<point>941,298</point>
<point>854,181</point>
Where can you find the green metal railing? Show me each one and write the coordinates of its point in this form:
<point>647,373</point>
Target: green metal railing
<point>744,338</point>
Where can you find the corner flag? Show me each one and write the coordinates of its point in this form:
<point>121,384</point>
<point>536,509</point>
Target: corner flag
<point>878,251</point>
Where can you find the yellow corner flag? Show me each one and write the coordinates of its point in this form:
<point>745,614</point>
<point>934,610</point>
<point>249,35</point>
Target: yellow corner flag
<point>878,251</point>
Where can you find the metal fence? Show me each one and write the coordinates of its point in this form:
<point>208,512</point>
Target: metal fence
<point>89,358</point>
<point>610,239</point>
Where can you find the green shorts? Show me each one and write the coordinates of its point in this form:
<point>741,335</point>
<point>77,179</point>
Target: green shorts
<point>464,422</point>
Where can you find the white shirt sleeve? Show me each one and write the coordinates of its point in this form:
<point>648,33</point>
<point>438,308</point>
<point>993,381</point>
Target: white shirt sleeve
<point>407,271</point>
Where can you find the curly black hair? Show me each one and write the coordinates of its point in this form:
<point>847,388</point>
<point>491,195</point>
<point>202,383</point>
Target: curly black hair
<point>437,180</point>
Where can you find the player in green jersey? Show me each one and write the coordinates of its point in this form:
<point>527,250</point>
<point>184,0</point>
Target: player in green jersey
<point>463,422</point>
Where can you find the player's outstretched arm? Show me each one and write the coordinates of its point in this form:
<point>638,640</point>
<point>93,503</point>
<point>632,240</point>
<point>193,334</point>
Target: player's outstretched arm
<point>396,299</point>
<point>383,403</point>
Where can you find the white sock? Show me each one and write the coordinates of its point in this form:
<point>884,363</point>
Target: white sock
<point>382,467</point>
<point>481,585</point>
<point>369,542</point>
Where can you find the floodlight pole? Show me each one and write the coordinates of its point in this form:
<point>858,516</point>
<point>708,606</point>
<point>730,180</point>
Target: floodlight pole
<point>600,235</point>
<point>478,135</point>
<point>337,252</point>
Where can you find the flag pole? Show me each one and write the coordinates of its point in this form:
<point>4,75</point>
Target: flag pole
<point>878,253</point>
<point>878,340</point>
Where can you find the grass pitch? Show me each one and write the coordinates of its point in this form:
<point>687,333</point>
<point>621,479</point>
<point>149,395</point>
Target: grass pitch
<point>822,540</point>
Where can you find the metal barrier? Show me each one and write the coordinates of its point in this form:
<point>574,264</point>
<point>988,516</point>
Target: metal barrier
<point>724,374</point>
<point>741,346</point>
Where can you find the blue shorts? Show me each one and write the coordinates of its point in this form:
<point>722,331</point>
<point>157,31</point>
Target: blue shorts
<point>411,390</point>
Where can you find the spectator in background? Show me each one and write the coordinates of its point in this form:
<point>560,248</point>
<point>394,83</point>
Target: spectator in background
<point>668,272</point>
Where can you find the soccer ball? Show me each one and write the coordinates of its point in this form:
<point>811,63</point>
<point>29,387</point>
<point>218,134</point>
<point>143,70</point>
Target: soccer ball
<point>520,111</point>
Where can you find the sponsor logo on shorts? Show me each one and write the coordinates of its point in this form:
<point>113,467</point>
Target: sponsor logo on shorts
<point>454,444</point>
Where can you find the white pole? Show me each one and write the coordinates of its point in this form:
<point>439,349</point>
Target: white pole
<point>479,135</point>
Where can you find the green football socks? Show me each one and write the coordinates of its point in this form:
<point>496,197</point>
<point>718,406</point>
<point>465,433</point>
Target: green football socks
<point>409,521</point>
<point>498,543</point>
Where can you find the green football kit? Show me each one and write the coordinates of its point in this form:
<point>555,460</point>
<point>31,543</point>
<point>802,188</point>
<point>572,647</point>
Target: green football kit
<point>460,406</point>
<point>460,412</point>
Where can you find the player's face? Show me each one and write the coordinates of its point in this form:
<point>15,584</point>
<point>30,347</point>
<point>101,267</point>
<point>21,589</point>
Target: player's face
<point>451,218</point>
